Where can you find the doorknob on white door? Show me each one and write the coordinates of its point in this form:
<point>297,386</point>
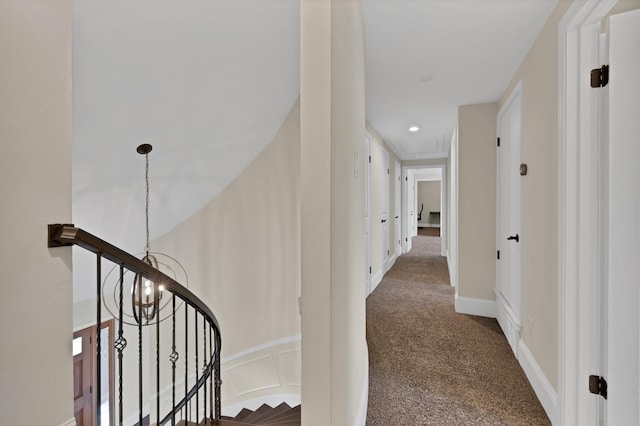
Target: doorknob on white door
<point>514,237</point>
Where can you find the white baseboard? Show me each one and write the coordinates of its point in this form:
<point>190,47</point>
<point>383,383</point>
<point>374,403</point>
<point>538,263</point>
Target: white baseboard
<point>72,422</point>
<point>478,307</point>
<point>541,386</point>
<point>509,322</point>
<point>361,419</point>
<point>376,279</point>
<point>255,403</point>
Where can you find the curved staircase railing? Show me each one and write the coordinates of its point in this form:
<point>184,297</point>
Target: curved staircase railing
<point>195,350</point>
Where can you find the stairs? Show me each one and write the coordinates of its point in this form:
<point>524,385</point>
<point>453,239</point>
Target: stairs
<point>265,415</point>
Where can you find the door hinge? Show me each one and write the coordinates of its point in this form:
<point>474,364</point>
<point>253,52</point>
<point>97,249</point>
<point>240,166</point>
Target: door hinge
<point>406,240</point>
<point>369,269</point>
<point>498,254</point>
<point>498,141</point>
<point>598,386</point>
<point>387,171</point>
<point>600,76</point>
<point>369,158</point>
<point>406,178</point>
<point>388,253</point>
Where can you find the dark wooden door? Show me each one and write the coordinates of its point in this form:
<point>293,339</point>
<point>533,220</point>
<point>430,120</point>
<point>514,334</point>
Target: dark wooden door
<point>83,372</point>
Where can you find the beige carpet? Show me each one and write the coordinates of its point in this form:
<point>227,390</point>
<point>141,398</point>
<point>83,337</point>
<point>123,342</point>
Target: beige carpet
<point>432,366</point>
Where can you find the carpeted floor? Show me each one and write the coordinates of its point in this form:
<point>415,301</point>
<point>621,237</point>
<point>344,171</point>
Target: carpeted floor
<point>432,366</point>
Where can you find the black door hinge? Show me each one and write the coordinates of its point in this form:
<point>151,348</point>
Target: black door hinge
<point>600,76</point>
<point>406,240</point>
<point>406,178</point>
<point>369,269</point>
<point>498,254</point>
<point>369,158</point>
<point>598,386</point>
<point>498,141</point>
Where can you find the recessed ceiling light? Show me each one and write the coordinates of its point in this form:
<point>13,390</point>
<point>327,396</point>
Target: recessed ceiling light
<point>414,128</point>
<point>426,78</point>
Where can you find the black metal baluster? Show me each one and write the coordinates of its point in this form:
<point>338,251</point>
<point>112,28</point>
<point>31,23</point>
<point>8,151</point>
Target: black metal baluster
<point>218,380</point>
<point>212,378</point>
<point>98,346</point>
<point>120,344</point>
<point>186,358</point>
<point>204,368</point>
<point>140,318</point>
<point>156,309</point>
<point>173,358</point>
<point>195,327</point>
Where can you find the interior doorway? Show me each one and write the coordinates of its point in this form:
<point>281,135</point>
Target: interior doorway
<point>425,202</point>
<point>85,368</point>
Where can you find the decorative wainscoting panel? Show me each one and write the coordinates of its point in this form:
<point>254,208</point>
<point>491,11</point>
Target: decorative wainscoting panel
<point>269,373</point>
<point>253,375</point>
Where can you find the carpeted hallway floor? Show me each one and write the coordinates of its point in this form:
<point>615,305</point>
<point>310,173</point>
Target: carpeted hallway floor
<point>432,366</point>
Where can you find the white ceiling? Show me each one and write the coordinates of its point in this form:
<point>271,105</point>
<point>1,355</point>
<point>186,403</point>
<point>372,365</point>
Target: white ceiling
<point>468,50</point>
<point>209,82</point>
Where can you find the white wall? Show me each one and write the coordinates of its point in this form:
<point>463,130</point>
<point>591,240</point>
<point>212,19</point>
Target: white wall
<point>36,377</point>
<point>334,350</point>
<point>429,196</point>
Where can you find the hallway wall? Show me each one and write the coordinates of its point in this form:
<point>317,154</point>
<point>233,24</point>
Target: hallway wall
<point>476,275</point>
<point>36,375</point>
<point>539,75</point>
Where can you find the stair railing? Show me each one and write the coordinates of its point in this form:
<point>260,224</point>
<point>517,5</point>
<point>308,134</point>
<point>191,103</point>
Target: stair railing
<point>201,385</point>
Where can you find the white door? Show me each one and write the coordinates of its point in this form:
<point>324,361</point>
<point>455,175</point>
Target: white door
<point>367,223</point>
<point>508,227</point>
<point>385,208</point>
<point>398,222</point>
<point>410,206</point>
<point>624,221</point>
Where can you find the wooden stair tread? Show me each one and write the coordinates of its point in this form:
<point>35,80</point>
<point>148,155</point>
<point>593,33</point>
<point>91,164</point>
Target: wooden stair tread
<point>242,414</point>
<point>276,411</point>
<point>289,417</point>
<point>261,411</point>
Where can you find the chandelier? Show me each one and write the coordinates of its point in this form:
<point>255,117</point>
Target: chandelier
<point>146,305</point>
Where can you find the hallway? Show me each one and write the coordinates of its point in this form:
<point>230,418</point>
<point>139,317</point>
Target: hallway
<point>432,366</point>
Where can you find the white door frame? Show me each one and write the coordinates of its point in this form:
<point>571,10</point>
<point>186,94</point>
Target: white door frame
<point>579,218</point>
<point>397,213</point>
<point>443,204</point>
<point>367,218</point>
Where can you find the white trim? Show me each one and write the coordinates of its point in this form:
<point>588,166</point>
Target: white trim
<point>261,347</point>
<point>70,422</point>
<point>477,307</point>
<point>541,386</point>
<point>376,280</point>
<point>577,220</point>
<point>389,262</point>
<point>451,275</point>
<point>361,417</point>
<point>253,404</point>
<point>509,322</point>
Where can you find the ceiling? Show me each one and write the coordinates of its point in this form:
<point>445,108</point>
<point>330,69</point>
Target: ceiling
<point>425,58</point>
<point>209,82</point>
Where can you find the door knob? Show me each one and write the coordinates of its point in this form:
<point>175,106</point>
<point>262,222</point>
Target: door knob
<point>514,237</point>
